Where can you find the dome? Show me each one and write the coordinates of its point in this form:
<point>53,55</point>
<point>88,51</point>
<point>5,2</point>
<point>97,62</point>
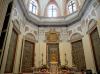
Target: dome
<point>52,12</point>
<point>48,7</point>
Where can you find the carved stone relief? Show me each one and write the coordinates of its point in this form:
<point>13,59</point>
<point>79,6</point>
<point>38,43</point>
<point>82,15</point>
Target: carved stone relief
<point>94,4</point>
<point>35,32</point>
<point>15,13</point>
<point>69,32</point>
<point>30,37</point>
<point>26,29</point>
<point>75,37</point>
<point>79,29</point>
<point>83,23</point>
<point>87,21</point>
<point>91,25</point>
<point>52,36</point>
<point>93,13</point>
<point>16,25</point>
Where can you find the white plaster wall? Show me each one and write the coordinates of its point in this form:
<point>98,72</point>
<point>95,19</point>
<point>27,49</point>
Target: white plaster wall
<point>65,48</point>
<point>43,4</point>
<point>60,5</point>
<point>37,55</point>
<point>43,50</point>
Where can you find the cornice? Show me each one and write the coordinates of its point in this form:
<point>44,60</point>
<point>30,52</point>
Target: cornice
<point>59,21</point>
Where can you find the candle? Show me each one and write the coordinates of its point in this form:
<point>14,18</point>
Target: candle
<point>42,58</point>
<point>66,62</point>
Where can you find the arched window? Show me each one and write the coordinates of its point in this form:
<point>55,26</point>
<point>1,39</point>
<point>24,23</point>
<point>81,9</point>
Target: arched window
<point>72,6</point>
<point>33,6</point>
<point>52,10</point>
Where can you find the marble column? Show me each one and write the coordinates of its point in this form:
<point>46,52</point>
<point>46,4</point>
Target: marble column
<point>88,53</point>
<point>18,54</point>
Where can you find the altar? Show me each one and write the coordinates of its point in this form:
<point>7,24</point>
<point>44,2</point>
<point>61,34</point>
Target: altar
<point>53,67</point>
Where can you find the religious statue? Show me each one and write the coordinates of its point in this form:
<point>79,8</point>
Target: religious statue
<point>53,56</point>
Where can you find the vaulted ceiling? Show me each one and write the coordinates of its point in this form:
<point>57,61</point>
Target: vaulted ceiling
<point>63,20</point>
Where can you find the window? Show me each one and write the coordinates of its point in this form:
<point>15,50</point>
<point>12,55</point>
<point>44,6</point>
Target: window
<point>52,10</point>
<point>33,6</point>
<point>72,6</point>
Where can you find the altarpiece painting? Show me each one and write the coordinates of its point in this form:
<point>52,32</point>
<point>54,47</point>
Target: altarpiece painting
<point>53,53</point>
<point>78,57</point>
<point>28,57</point>
<point>95,40</point>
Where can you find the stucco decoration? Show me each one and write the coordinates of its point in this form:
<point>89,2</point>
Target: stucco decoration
<point>30,37</point>
<point>87,20</point>
<point>69,32</point>
<point>63,35</point>
<point>26,29</point>
<point>83,23</point>
<point>15,13</point>
<point>75,37</point>
<point>79,28</point>
<point>16,24</point>
<point>91,25</point>
<point>52,36</point>
<point>93,13</point>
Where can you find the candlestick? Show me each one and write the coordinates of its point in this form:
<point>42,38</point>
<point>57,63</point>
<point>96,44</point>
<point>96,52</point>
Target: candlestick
<point>66,62</point>
<point>42,58</point>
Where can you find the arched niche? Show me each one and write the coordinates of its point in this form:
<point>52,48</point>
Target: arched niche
<point>91,25</point>
<point>78,56</point>
<point>75,37</point>
<point>28,52</point>
<point>30,37</point>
